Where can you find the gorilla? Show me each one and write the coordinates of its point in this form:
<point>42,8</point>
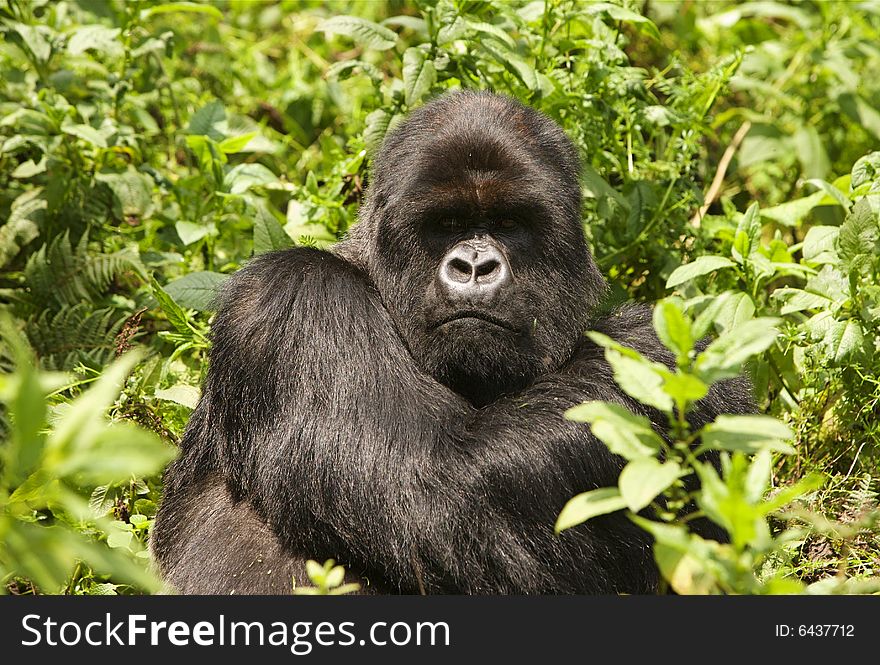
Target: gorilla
<point>396,403</point>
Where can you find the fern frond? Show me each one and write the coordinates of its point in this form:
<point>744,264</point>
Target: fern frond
<point>862,498</point>
<point>59,275</point>
<point>76,335</point>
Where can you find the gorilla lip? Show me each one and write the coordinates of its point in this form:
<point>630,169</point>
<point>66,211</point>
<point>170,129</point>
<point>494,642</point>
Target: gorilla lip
<point>474,314</point>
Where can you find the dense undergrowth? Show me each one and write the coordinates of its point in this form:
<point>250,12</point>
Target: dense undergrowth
<point>730,161</point>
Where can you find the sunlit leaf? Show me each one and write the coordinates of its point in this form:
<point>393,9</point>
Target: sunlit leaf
<point>363,32</point>
<point>642,480</point>
<point>625,433</point>
<point>702,265</point>
<point>588,505</point>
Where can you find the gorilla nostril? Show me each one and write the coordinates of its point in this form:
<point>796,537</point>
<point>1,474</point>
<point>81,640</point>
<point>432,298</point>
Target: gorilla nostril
<point>487,269</point>
<point>474,271</point>
<point>459,270</point>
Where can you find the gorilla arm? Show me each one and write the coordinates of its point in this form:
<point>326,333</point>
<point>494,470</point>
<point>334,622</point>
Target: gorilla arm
<point>314,413</point>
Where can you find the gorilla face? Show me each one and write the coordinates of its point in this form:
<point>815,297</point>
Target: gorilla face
<point>472,235</point>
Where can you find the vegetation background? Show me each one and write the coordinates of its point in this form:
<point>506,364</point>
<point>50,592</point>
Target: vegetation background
<point>148,149</point>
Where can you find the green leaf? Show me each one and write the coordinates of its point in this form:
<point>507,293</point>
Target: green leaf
<point>181,393</point>
<point>211,159</point>
<point>724,312</point>
<point>843,340</point>
<point>860,233</point>
<point>833,195</point>
<point>595,186</point>
<point>703,265</point>
<point>798,300</point>
<point>243,177</point>
<point>133,192</point>
<point>636,375</point>
<point>37,38</point>
<point>335,577</point>
<point>197,290</point>
<point>340,71</point>
<point>98,38</point>
<point>623,432</point>
<point>190,232</point>
<point>810,152</point>
<point>451,31</point>
<point>28,408</point>
<point>269,235</point>
<point>28,121</point>
<point>618,13</point>
<point>190,7</point>
<point>819,324</point>
<point>683,559</point>
<point>315,571</point>
<point>490,31</point>
<point>763,142</point>
<point>300,230</point>
<point>725,502</point>
<point>685,573</point>
<point>758,476</point>
<point>747,240</point>
<point>176,315</point>
<point>684,389</point>
<point>639,378</point>
<point>22,226</point>
<point>138,520</point>
<point>419,75</point>
<point>792,213</point>
<point>788,494</point>
<point>361,31</point>
<point>116,453</point>
<point>30,168</point>
<point>642,480</point>
<point>673,328</point>
<point>588,505</point>
<point>819,244</point>
<point>831,284</point>
<point>408,22</point>
<point>748,434</point>
<point>236,144</point>
<point>85,448</point>
<point>85,132</point>
<point>47,555</point>
<point>514,64</point>
<point>724,358</point>
<point>204,121</point>
<point>312,183</point>
<point>375,127</point>
<point>866,170</point>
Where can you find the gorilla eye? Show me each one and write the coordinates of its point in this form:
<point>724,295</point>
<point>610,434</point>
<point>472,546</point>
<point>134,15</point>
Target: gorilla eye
<point>450,224</point>
<point>507,224</point>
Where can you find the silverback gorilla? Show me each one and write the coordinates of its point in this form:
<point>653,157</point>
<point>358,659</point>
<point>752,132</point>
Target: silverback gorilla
<point>396,404</point>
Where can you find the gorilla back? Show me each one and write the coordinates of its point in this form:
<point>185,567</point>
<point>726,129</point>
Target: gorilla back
<point>396,404</point>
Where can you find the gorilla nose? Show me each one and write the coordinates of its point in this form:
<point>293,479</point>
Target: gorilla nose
<point>474,269</point>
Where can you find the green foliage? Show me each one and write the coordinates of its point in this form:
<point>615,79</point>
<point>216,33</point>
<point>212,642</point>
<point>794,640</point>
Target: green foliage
<point>46,468</point>
<point>329,580</point>
<point>147,150</point>
<point>656,475</point>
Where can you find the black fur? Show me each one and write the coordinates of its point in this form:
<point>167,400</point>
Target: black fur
<point>341,419</point>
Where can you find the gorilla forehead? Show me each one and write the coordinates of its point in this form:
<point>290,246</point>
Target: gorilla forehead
<point>482,147</point>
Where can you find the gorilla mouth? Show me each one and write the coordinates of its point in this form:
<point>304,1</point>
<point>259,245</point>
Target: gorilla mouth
<point>474,314</point>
